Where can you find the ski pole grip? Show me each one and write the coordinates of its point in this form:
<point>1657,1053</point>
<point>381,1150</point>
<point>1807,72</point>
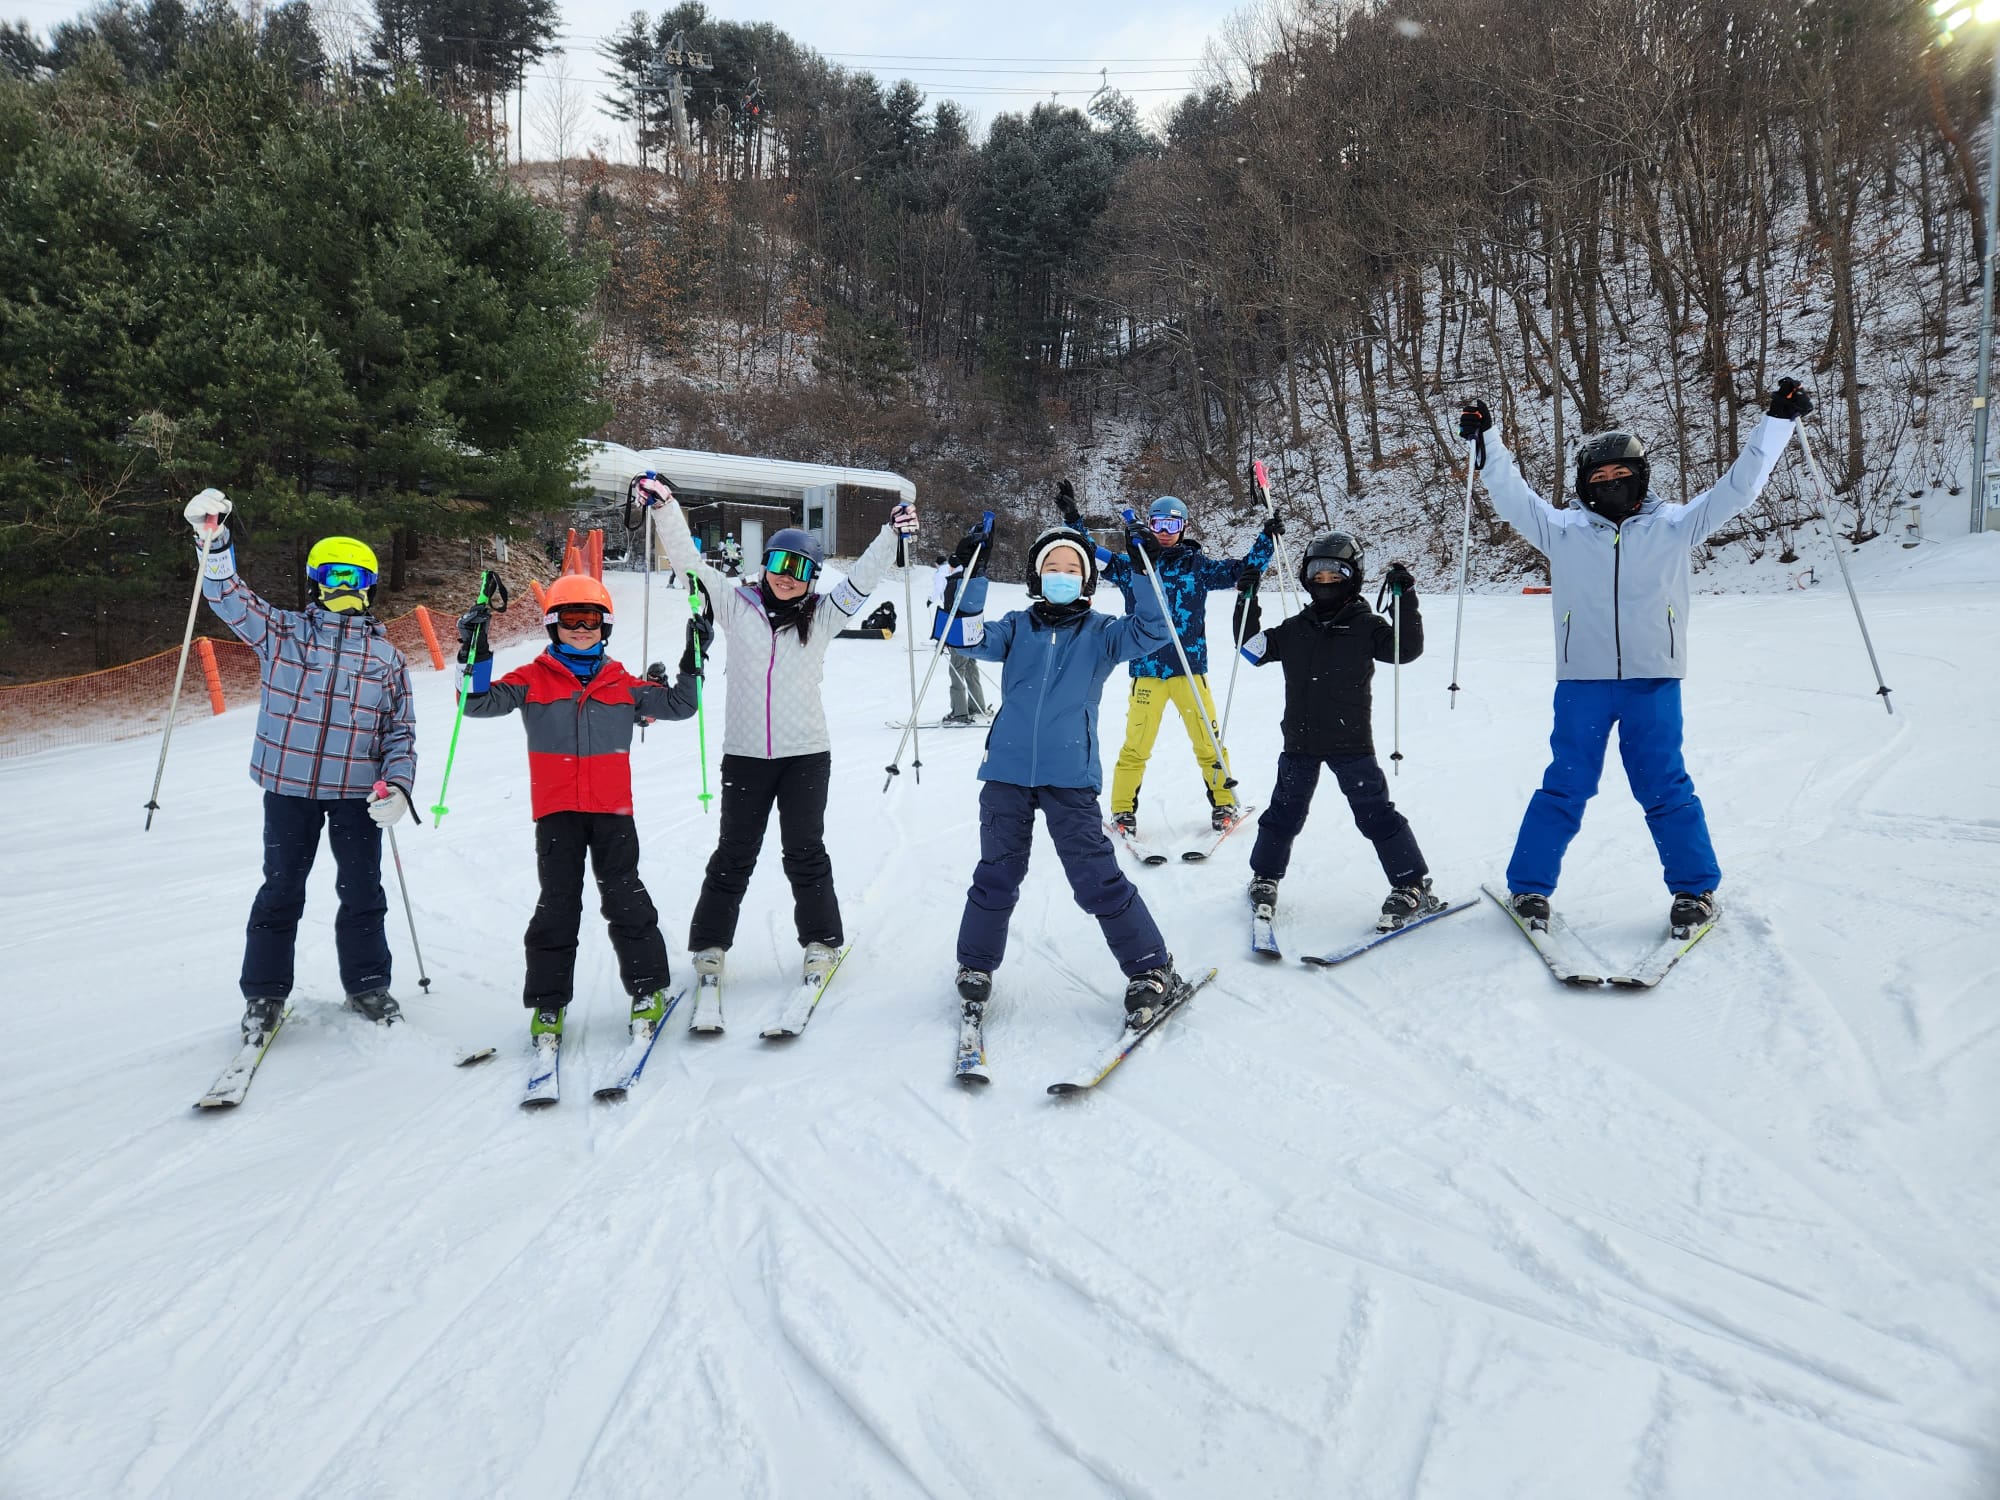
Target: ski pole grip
<point>1263,479</point>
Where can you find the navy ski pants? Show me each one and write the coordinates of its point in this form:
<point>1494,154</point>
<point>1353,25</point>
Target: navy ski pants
<point>1367,791</point>
<point>1076,826</point>
<point>291,840</point>
<point>1647,711</point>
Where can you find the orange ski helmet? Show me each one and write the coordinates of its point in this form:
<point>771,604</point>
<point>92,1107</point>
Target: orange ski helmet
<point>576,591</point>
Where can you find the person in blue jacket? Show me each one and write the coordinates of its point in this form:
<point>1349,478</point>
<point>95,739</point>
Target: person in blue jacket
<point>1042,753</point>
<point>1618,572</point>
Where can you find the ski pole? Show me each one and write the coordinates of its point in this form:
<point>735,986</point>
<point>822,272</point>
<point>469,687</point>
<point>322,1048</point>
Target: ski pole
<point>423,978</point>
<point>180,674</point>
<point>1287,582</point>
<point>489,586</point>
<point>1840,556</point>
<point>700,684</point>
<point>910,651</point>
<point>1396,677</point>
<point>646,602</point>
<point>1240,624</point>
<point>1208,718</point>
<point>894,767</point>
<point>1464,558</point>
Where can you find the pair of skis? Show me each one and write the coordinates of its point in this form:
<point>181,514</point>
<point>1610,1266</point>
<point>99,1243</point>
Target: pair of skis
<point>1264,936</point>
<point>971,1067</point>
<point>233,1086</point>
<point>1146,854</point>
<point>1572,962</point>
<point>545,1063</point>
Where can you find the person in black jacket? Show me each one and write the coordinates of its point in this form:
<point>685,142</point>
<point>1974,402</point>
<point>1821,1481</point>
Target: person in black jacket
<point>1328,651</point>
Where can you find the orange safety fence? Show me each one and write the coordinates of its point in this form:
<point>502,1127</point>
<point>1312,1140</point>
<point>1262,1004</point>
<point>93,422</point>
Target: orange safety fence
<point>130,702</point>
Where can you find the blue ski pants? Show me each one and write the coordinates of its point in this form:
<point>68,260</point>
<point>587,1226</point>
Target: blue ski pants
<point>291,840</point>
<point>1367,791</point>
<point>1647,711</point>
<point>1076,827</point>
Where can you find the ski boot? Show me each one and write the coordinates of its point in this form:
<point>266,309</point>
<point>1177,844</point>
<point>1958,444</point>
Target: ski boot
<point>1405,902</point>
<point>819,962</point>
<point>956,721</point>
<point>648,1010</point>
<point>1126,823</point>
<point>975,986</point>
<point>260,1018</point>
<point>1690,910</point>
<point>1531,907</point>
<point>378,1006</point>
<point>1147,995</point>
<point>546,1023</point>
<point>1225,816</point>
<point>708,962</point>
<point>1264,896</point>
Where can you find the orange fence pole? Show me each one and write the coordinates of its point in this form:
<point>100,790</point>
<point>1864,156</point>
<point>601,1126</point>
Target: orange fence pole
<point>572,554</point>
<point>430,636</point>
<point>597,555</point>
<point>205,649</point>
<point>541,598</point>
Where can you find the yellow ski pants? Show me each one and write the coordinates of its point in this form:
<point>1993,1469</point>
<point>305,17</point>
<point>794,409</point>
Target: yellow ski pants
<point>1148,706</point>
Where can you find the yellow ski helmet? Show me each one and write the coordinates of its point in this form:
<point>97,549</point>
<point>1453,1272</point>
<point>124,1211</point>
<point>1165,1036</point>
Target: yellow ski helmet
<point>343,572</point>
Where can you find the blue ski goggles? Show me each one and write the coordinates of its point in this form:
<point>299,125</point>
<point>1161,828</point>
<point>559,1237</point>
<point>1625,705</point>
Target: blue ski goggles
<point>790,564</point>
<point>341,576</point>
<point>1168,525</point>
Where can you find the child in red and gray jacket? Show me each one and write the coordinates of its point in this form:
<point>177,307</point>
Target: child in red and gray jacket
<point>580,707</point>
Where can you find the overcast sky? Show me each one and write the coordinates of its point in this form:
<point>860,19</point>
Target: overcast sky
<point>989,56</point>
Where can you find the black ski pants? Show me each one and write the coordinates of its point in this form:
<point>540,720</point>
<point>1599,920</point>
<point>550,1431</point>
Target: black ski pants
<point>1367,789</point>
<point>612,842</point>
<point>797,786</point>
<point>291,840</point>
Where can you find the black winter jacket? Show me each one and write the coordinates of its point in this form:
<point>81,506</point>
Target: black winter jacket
<point>1329,665</point>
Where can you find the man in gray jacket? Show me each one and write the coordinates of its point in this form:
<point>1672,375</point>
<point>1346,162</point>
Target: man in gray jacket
<point>1619,569</point>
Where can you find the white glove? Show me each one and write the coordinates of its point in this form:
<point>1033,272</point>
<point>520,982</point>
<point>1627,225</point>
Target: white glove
<point>208,514</point>
<point>653,492</point>
<point>387,804</point>
<point>903,519</point>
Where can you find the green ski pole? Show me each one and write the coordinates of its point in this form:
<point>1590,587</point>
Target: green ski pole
<point>700,682</point>
<point>490,584</point>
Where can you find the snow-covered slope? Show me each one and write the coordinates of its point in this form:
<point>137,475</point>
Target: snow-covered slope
<point>1426,1225</point>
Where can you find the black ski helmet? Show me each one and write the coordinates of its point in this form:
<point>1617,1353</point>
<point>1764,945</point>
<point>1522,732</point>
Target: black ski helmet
<point>1616,500</point>
<point>1336,547</point>
<point>1061,536</point>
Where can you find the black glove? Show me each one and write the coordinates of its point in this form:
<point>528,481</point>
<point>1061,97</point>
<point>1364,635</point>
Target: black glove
<point>1274,525</point>
<point>474,630</point>
<point>1249,615</point>
<point>700,636</point>
<point>1473,419</point>
<point>1066,503</point>
<point>1142,546</point>
<point>1790,400</point>
<point>1400,580</point>
<point>974,540</point>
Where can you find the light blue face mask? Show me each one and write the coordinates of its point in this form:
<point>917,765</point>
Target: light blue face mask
<point>1061,588</point>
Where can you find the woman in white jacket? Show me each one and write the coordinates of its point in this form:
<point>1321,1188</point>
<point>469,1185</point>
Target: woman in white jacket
<point>1618,570</point>
<point>775,749</point>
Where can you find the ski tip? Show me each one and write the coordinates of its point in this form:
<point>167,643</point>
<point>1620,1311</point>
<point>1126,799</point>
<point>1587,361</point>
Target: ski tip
<point>1195,856</point>
<point>483,1054</point>
<point>214,1106</point>
<point>532,1105</point>
<point>1063,1090</point>
<point>778,1034</point>
<point>610,1095</point>
<point>971,1080</point>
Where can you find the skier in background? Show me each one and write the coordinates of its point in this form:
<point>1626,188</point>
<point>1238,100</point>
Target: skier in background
<point>1618,574</point>
<point>579,707</point>
<point>1042,754</point>
<point>968,693</point>
<point>775,749</point>
<point>1187,578</point>
<point>1328,651</point>
<point>335,719</point>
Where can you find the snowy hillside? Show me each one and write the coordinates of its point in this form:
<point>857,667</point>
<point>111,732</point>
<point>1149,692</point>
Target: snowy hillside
<point>1426,1225</point>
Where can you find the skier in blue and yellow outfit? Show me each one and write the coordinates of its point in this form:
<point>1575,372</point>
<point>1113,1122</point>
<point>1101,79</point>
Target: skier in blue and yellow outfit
<point>1187,578</point>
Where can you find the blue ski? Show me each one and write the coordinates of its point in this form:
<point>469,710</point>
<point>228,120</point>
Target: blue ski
<point>1376,939</point>
<point>632,1061</point>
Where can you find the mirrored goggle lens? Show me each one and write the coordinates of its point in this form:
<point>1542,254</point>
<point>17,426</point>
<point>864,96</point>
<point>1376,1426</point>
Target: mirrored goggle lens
<point>1327,573</point>
<point>580,617</point>
<point>343,576</point>
<point>790,564</point>
<point>1171,525</point>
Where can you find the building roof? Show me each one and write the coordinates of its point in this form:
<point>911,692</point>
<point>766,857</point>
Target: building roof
<point>609,467</point>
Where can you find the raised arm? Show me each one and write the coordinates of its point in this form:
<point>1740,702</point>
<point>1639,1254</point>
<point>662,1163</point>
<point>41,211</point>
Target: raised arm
<point>670,525</point>
<point>256,623</point>
<point>1738,489</point>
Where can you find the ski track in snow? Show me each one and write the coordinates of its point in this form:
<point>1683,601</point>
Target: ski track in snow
<point>1426,1225</point>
